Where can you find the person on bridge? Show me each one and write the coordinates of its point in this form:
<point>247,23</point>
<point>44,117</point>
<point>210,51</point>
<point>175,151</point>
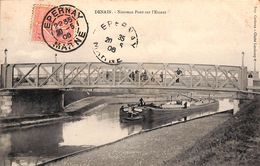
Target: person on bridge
<point>152,77</point>
<point>136,75</point>
<point>161,76</point>
<point>132,75</point>
<point>144,76</point>
<point>107,75</point>
<point>179,72</point>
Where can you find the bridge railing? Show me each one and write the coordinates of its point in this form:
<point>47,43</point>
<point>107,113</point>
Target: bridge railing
<point>125,75</point>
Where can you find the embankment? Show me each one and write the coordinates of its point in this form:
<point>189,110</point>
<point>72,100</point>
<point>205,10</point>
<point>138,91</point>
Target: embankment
<point>235,142</point>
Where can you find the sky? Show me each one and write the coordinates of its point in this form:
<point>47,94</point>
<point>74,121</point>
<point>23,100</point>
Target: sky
<point>191,31</point>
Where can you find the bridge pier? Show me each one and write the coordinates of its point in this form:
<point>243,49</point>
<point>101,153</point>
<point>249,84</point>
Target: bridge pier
<point>20,103</point>
<point>5,104</point>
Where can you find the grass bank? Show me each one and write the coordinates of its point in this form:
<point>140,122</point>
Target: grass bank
<point>235,142</point>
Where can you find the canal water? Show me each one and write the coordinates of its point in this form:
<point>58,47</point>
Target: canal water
<point>35,145</point>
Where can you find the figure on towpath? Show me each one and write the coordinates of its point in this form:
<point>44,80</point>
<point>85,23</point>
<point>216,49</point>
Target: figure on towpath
<point>141,102</point>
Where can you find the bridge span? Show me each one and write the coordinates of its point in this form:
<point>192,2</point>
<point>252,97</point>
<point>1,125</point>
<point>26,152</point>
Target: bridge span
<point>126,75</point>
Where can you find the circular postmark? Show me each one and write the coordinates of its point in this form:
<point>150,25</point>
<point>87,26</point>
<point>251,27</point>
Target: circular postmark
<point>64,28</point>
<point>111,38</point>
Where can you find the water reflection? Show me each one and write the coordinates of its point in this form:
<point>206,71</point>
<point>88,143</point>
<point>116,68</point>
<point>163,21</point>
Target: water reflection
<point>97,129</point>
<point>32,145</point>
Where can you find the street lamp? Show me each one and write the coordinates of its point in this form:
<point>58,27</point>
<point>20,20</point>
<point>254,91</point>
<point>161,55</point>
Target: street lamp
<point>243,55</point>
<point>5,51</point>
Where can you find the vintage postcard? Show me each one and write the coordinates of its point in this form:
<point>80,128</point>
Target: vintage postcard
<point>129,82</point>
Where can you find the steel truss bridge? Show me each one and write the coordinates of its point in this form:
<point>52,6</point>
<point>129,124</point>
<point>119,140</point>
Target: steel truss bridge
<point>125,75</point>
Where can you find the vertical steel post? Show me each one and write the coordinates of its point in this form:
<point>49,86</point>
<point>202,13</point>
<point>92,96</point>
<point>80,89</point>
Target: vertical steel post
<point>37,75</point>
<point>243,79</point>
<point>9,76</point>
<point>63,74</point>
<point>3,75</point>
<point>139,74</point>
<point>114,75</point>
<point>191,76</point>
<point>89,73</point>
<point>165,72</point>
<point>217,79</point>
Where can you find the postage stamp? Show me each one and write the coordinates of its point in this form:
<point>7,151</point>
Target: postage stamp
<point>38,13</point>
<point>64,28</point>
<point>111,37</point>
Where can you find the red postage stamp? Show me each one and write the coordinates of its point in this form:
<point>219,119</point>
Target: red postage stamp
<point>63,28</point>
<point>39,11</point>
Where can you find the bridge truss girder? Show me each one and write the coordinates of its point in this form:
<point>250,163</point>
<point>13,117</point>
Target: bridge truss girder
<point>125,75</point>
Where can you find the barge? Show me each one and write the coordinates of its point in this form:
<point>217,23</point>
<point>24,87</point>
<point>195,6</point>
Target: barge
<point>142,112</point>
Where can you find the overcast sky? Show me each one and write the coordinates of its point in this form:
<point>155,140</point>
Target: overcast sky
<point>199,31</point>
